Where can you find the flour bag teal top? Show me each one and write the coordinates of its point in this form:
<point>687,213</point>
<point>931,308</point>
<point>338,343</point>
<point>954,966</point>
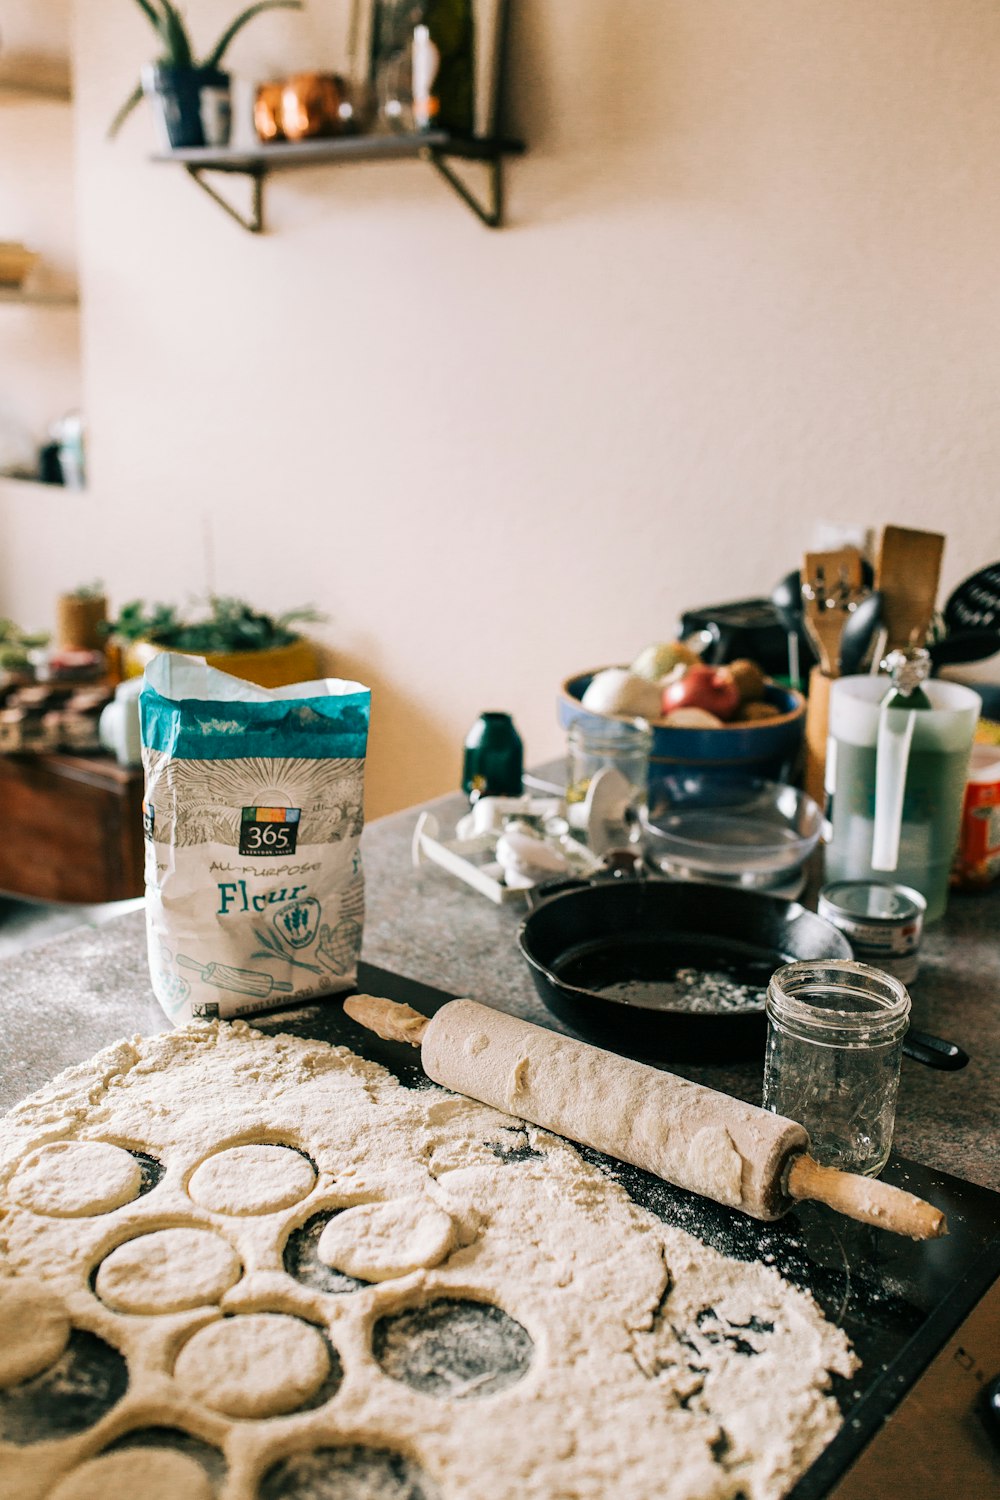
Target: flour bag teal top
<point>253,813</point>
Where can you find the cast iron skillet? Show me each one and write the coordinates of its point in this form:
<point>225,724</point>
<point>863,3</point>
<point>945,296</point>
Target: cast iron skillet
<point>605,955</point>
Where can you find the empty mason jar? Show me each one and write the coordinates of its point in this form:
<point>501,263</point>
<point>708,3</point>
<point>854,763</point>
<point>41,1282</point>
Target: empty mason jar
<point>834,1045</point>
<point>607,777</point>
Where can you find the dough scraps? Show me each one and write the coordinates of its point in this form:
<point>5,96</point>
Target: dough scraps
<point>167,1271</point>
<point>378,1241</point>
<point>76,1179</point>
<point>645,1363</point>
<point>257,1366</point>
<point>252,1180</point>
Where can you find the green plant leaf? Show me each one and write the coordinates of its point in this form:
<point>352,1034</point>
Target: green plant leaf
<point>174,34</point>
<point>124,112</point>
<point>152,15</point>
<point>230,625</point>
<point>217,53</point>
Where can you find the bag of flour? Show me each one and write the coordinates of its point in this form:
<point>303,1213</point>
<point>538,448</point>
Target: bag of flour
<point>253,814</point>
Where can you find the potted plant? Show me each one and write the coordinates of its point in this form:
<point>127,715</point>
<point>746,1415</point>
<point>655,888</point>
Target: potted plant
<point>176,82</point>
<point>16,646</point>
<point>80,618</point>
<point>230,635</point>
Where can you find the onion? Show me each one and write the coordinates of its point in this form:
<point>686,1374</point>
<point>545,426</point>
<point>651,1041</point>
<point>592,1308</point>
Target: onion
<point>617,691</point>
<point>711,688</point>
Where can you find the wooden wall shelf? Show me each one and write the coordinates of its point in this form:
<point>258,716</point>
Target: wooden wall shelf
<point>437,147</point>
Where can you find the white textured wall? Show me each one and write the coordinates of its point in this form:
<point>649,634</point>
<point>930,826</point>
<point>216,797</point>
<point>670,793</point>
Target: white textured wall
<point>749,284</point>
<point>39,346</point>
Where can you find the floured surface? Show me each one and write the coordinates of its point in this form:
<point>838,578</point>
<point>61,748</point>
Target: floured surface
<point>570,1344</point>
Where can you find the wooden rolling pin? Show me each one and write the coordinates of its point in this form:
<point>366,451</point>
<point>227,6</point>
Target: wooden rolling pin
<point>694,1137</point>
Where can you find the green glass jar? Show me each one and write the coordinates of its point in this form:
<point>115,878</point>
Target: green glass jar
<point>494,758</point>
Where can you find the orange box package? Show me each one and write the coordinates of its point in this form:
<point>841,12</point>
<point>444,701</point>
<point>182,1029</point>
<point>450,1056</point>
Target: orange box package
<point>977,860</point>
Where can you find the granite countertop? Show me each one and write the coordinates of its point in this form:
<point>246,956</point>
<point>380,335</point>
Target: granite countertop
<point>64,1000</point>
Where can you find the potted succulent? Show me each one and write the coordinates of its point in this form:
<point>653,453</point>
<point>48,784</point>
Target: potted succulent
<point>230,635</point>
<point>178,85</point>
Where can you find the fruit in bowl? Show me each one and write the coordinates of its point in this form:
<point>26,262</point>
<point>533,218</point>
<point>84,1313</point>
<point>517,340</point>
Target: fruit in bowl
<point>618,691</point>
<point>713,689</point>
<point>763,738</point>
<point>657,661</point>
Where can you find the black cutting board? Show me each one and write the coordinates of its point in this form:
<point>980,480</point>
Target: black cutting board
<point>898,1300</point>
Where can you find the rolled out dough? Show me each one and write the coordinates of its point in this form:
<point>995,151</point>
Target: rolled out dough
<point>34,1329</point>
<point>260,1365</point>
<point>654,1367</point>
<point>252,1180</point>
<point>137,1474</point>
<point>377,1241</point>
<point>74,1179</point>
<point>167,1271</point>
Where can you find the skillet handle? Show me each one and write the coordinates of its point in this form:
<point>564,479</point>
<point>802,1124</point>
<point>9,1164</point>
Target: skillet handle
<point>619,864</point>
<point>934,1051</point>
<point>537,895</point>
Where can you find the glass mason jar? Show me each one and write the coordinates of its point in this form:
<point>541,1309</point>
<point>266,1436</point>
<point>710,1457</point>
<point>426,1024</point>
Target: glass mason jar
<point>607,779</point>
<point>834,1044</point>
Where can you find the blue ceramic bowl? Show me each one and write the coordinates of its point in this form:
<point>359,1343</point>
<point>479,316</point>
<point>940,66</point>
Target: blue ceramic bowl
<point>764,747</point>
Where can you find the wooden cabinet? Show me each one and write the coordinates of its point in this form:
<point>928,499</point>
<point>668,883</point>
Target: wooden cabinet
<point>70,828</point>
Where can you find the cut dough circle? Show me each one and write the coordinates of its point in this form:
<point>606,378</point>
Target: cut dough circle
<point>252,1180</point>
<point>376,1241</point>
<point>75,1179</point>
<point>34,1329</point>
<point>258,1365</point>
<point>168,1271</point>
<point>153,1473</point>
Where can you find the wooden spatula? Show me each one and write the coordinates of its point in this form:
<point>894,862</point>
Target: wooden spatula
<point>906,574</point>
<point>831,586</point>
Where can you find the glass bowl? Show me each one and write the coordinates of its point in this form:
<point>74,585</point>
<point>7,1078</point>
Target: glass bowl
<point>737,830</point>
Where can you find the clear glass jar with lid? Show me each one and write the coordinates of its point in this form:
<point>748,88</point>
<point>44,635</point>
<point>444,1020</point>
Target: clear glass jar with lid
<point>835,1033</point>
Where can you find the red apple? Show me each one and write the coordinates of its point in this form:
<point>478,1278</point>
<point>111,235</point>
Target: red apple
<point>711,688</point>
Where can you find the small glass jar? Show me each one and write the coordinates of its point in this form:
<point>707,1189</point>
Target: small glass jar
<point>607,780</point>
<point>834,1044</point>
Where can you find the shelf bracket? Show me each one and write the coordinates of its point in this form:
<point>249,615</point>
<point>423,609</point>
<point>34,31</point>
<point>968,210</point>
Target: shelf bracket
<point>253,222</point>
<point>489,213</point>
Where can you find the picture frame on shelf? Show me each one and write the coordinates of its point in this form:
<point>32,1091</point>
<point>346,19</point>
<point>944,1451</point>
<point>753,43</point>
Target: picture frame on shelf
<point>469,37</point>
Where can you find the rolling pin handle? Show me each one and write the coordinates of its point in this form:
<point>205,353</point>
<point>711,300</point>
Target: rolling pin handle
<point>387,1018</point>
<point>865,1199</point>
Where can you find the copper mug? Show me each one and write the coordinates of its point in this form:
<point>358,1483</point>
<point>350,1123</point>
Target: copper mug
<point>311,105</point>
<point>267,112</point>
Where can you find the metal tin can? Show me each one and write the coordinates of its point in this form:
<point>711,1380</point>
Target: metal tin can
<point>882,922</point>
